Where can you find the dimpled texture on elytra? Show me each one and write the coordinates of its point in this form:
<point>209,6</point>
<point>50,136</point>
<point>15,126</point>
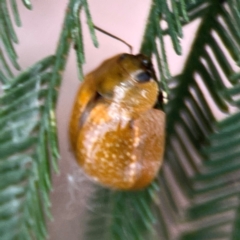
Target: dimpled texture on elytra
<point>121,153</point>
<point>116,134</point>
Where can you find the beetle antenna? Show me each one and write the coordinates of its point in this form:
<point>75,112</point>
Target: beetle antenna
<point>113,36</point>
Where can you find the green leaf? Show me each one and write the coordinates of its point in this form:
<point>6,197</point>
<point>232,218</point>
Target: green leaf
<point>202,153</point>
<point>22,130</point>
<point>8,35</point>
<point>196,195</point>
<point>28,135</point>
<point>123,215</point>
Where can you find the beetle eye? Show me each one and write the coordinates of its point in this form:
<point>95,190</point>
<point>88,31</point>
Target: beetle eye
<point>143,77</point>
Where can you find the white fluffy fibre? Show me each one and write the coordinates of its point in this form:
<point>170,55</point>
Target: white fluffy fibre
<point>79,189</point>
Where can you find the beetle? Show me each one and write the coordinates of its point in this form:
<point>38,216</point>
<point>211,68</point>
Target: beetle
<point>116,131</point>
<point>116,134</point>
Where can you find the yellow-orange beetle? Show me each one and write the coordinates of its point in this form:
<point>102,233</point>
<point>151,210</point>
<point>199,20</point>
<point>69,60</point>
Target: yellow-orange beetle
<point>116,134</point>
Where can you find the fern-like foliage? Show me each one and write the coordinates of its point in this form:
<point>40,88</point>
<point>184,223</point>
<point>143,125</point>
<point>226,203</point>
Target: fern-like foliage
<point>28,141</point>
<point>24,165</point>
<point>8,38</point>
<point>153,42</point>
<point>196,195</point>
<point>200,175</point>
<point>122,215</point>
